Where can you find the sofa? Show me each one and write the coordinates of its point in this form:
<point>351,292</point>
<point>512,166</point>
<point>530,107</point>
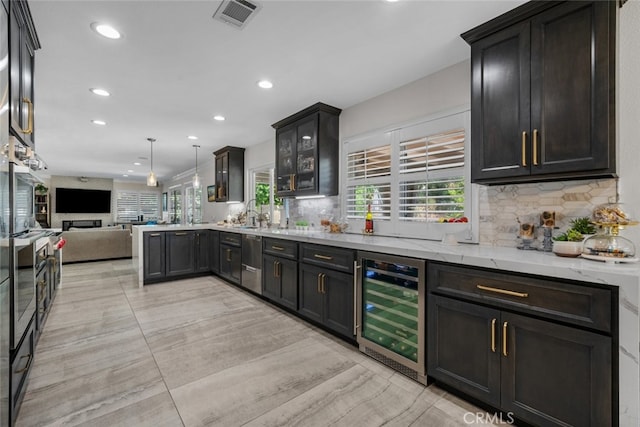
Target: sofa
<point>94,244</point>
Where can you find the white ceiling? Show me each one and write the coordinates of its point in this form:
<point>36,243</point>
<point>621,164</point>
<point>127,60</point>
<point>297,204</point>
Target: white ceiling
<point>176,68</point>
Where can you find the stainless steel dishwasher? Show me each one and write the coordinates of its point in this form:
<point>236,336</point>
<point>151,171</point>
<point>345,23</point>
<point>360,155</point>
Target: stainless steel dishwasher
<point>252,263</point>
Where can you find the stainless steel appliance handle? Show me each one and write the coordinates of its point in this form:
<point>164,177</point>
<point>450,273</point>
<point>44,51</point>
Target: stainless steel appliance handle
<point>356,278</point>
<point>251,269</point>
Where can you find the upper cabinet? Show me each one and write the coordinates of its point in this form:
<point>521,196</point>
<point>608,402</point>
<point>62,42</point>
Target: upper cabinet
<point>307,149</point>
<point>229,174</point>
<point>23,42</point>
<point>542,93</point>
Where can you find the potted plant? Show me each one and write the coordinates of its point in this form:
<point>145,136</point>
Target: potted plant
<point>583,225</point>
<point>568,244</point>
<point>41,188</point>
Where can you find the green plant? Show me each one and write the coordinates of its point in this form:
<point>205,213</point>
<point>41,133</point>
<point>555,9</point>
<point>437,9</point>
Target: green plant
<point>41,188</point>
<point>570,235</point>
<point>583,225</point>
<point>302,223</point>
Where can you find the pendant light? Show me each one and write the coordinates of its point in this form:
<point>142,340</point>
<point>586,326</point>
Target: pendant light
<point>196,178</point>
<point>151,178</point>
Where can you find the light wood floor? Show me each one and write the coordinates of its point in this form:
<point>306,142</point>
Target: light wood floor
<point>202,352</point>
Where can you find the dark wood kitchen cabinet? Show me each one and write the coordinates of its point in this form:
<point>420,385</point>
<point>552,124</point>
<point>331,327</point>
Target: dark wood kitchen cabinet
<point>214,251</point>
<point>154,257</point>
<point>180,253</point>
<point>280,271</point>
<point>202,249</point>
<point>307,150</point>
<point>23,42</point>
<point>522,345</point>
<point>229,174</point>
<point>542,93</point>
<point>326,287</point>
<point>231,257</point>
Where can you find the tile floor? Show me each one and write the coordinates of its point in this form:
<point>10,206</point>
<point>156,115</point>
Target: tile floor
<point>201,352</point>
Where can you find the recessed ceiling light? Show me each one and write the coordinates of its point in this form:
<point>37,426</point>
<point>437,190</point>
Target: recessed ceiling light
<point>99,122</point>
<point>265,84</point>
<point>105,30</point>
<point>192,137</point>
<point>306,137</point>
<point>130,171</point>
<point>99,92</point>
<point>219,118</point>
<point>125,175</point>
<point>137,164</point>
<point>392,1</point>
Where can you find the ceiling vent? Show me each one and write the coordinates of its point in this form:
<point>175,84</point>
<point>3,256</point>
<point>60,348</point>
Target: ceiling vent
<point>236,12</point>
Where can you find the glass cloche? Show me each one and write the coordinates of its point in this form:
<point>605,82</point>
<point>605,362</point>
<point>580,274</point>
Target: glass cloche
<point>608,245</point>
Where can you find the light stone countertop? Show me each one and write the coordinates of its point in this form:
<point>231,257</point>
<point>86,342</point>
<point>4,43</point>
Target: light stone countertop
<point>626,277</point>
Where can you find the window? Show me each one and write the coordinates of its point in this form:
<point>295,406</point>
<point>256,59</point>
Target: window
<point>266,204</point>
<point>413,177</point>
<point>175,204</point>
<point>130,205</point>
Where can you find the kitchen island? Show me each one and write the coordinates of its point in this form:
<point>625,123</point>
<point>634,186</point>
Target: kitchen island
<point>625,277</point>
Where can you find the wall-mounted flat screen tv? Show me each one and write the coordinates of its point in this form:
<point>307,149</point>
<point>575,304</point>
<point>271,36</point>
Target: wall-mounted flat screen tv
<point>77,200</point>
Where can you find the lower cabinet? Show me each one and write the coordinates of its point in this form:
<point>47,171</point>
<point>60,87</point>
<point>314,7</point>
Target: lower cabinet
<point>326,297</point>
<point>214,251</point>
<point>542,372</point>
<point>180,253</point>
<point>20,367</point>
<point>154,256</point>
<point>280,280</point>
<point>202,250</point>
<point>231,257</point>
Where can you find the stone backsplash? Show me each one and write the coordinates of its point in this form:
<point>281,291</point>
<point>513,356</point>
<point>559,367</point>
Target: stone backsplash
<point>501,206</point>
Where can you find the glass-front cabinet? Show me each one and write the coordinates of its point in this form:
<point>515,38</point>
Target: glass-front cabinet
<point>307,152</point>
<point>391,311</point>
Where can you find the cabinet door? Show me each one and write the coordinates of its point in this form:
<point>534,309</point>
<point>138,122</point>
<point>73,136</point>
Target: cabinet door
<point>463,347</point>
<point>306,156</point>
<point>231,263</point>
<point>500,104</point>
<point>339,298</point>
<point>180,256</point>
<point>154,256</point>
<point>310,297</point>
<point>556,375</point>
<point>222,162</point>
<point>571,88</point>
<point>288,272</point>
<point>270,278</point>
<point>286,160</point>
<point>214,251</point>
<point>202,251</point>
<point>15,44</point>
<point>27,54</point>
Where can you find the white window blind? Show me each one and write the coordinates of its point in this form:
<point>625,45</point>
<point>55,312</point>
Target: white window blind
<point>130,205</point>
<point>369,182</point>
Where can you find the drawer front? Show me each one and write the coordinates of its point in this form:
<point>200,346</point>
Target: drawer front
<point>232,239</point>
<point>328,256</point>
<point>21,366</point>
<point>578,304</point>
<point>281,248</point>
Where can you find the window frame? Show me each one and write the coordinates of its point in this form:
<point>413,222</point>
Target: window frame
<point>139,205</point>
<point>459,117</point>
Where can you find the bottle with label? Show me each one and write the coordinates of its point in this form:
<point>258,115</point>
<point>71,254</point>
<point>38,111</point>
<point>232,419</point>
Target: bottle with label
<point>368,221</point>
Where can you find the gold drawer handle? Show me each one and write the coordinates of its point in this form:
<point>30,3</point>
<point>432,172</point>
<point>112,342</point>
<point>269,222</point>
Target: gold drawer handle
<point>524,148</point>
<point>29,129</point>
<point>503,291</point>
<point>277,248</point>
<point>327,258</point>
<point>504,339</point>
<point>154,234</point>
<point>535,147</point>
<point>181,234</point>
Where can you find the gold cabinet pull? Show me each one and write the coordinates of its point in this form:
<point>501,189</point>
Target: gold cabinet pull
<point>319,286</point>
<point>26,367</point>
<point>229,255</point>
<point>277,248</point>
<point>524,148</point>
<point>293,177</point>
<point>154,234</point>
<point>275,269</point>
<point>327,258</point>
<point>29,128</point>
<point>181,234</point>
<point>503,291</point>
<point>504,339</point>
<point>535,147</point>
<point>322,283</point>
<point>493,335</point>
<point>279,269</point>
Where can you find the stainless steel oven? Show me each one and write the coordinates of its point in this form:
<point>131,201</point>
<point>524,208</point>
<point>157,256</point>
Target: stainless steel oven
<point>27,259</point>
<point>390,310</point>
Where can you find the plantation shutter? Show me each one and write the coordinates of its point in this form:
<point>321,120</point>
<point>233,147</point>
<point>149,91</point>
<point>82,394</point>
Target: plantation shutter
<point>369,181</point>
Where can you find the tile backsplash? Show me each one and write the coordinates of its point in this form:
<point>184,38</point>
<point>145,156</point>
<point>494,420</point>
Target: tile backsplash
<point>501,206</point>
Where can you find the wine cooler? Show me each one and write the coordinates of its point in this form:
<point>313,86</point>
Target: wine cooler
<point>391,312</point>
